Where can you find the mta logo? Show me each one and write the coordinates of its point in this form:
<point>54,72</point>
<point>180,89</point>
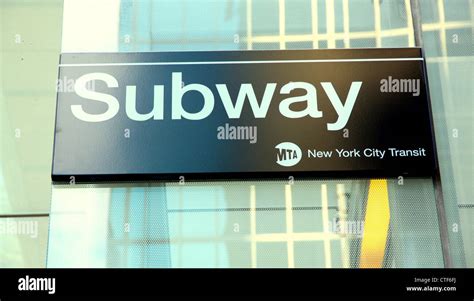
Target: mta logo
<point>288,154</point>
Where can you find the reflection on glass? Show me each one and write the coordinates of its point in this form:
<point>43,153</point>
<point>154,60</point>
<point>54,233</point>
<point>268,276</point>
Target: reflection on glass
<point>214,224</point>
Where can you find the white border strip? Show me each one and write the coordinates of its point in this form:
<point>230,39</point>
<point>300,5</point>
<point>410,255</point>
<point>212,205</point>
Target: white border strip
<point>243,62</point>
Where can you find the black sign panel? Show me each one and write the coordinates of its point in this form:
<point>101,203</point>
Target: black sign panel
<point>239,114</point>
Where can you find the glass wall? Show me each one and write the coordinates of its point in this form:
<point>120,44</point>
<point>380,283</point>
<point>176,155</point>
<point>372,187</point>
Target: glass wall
<point>447,40</point>
<point>284,223</point>
<point>30,43</point>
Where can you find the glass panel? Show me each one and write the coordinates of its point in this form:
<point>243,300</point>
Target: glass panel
<point>213,224</point>
<point>30,33</point>
<point>238,224</point>
<point>447,37</point>
<point>311,223</point>
<point>23,242</point>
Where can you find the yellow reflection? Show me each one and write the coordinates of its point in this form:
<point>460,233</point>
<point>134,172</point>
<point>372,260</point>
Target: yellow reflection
<point>377,219</point>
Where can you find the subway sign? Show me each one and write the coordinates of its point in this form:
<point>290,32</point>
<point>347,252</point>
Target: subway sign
<point>242,114</point>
